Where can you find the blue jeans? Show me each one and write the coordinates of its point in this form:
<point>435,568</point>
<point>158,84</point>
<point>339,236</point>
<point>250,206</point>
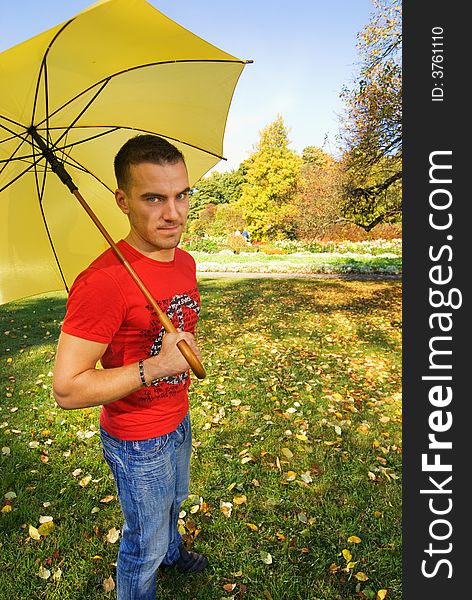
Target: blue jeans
<point>152,479</point>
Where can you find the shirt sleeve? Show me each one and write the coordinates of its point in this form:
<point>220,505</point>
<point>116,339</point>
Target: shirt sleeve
<point>96,307</point>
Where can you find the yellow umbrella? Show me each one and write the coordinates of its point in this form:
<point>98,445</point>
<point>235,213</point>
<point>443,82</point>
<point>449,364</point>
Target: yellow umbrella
<point>71,96</point>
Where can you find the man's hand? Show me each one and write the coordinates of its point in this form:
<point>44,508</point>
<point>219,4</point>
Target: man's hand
<point>77,383</point>
<point>170,361</point>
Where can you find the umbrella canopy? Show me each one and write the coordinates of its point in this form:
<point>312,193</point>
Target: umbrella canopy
<point>83,88</point>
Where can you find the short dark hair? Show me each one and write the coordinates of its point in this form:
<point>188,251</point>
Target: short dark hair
<point>143,148</point>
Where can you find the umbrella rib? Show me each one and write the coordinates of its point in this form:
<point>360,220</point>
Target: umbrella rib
<point>154,64</point>
<point>12,156</point>
<point>43,66</point>
<point>117,127</point>
<point>21,174</point>
<point>71,126</point>
<point>40,193</point>
<point>73,162</point>
<point>11,121</point>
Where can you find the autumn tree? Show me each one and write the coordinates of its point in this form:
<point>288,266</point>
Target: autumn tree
<point>372,131</point>
<point>273,171</point>
<point>317,204</point>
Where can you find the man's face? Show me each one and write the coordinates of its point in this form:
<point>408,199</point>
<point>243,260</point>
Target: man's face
<point>157,204</point>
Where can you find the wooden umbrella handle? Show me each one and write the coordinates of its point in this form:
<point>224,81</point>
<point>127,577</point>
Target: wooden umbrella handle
<point>184,348</point>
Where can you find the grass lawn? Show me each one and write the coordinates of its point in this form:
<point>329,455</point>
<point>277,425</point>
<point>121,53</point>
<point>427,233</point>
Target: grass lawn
<point>296,470</point>
<point>303,262</point>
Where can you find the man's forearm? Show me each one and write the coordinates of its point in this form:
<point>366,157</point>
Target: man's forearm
<point>98,386</point>
<point>78,384</point>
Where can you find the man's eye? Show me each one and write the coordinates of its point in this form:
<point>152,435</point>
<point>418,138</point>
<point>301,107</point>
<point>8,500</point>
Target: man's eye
<point>152,199</point>
<point>182,196</point>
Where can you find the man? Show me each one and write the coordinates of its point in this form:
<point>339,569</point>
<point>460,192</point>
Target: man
<point>142,387</point>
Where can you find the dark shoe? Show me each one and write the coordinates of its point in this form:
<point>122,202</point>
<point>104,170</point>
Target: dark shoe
<point>190,562</point>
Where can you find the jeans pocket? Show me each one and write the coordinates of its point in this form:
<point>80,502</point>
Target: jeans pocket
<point>147,449</point>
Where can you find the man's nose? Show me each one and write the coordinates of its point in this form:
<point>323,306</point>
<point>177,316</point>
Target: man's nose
<point>170,212</point>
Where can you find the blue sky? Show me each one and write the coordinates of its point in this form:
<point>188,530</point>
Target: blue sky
<point>303,51</point>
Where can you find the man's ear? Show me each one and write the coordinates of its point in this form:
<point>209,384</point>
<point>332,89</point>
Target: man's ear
<point>122,201</point>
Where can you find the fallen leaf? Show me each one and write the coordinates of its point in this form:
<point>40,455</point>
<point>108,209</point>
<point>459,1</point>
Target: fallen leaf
<point>226,508</point>
<point>107,499</point>
<point>10,495</point>
<point>287,453</point>
<point>45,519</point>
<point>85,480</point>
<point>347,555</point>
<point>57,574</point>
<point>108,584</point>
<point>381,594</point>
<point>34,533</point>
<point>44,573</point>
<point>229,587</point>
<point>6,451</point>
<point>354,539</point>
<point>46,528</point>
<point>266,557</point>
<point>306,477</point>
<point>113,535</point>
<point>241,499</point>
<point>7,508</point>
<point>361,576</point>
<point>252,526</point>
<point>76,472</point>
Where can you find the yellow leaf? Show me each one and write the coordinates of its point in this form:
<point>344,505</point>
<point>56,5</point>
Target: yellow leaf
<point>354,539</point>
<point>252,527</point>
<point>351,564</point>
<point>181,529</point>
<point>9,360</point>
<point>85,480</point>
<point>241,499</point>
<point>347,555</point>
<point>6,508</point>
<point>361,576</point>
<point>381,594</point>
<point>46,528</point>
<point>302,437</point>
<point>34,533</point>
<point>287,453</point>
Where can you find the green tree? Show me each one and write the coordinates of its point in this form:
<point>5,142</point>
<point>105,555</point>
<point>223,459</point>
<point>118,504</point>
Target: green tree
<point>273,171</point>
<point>217,188</point>
<point>372,132</point>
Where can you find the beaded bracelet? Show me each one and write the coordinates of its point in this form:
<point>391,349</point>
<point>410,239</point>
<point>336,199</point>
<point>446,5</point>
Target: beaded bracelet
<point>141,373</point>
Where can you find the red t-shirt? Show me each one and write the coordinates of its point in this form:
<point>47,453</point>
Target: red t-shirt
<point>105,305</point>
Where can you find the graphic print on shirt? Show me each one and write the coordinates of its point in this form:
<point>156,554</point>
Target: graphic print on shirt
<point>176,308</point>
